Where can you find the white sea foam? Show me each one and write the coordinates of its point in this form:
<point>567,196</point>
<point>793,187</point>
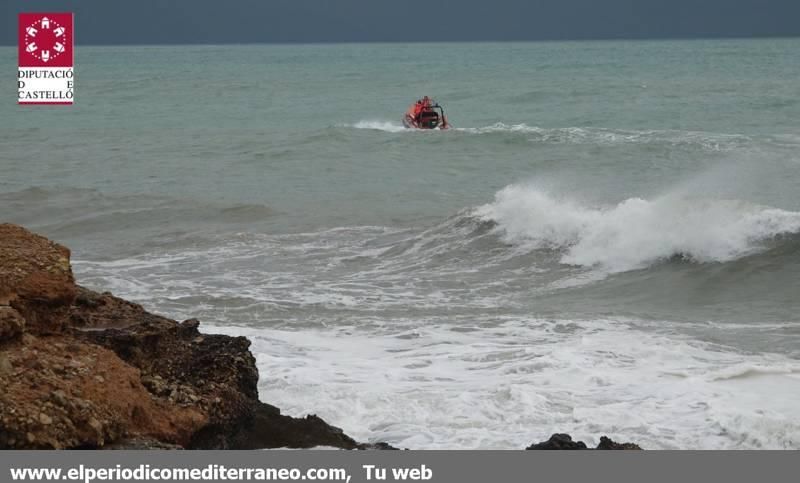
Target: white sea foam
<point>420,384</point>
<point>636,232</point>
<point>387,126</point>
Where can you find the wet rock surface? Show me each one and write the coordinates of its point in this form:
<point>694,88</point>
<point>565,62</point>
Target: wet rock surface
<point>608,444</point>
<point>564,442</point>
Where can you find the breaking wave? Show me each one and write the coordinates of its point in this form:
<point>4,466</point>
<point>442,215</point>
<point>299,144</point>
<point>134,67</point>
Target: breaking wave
<point>636,232</point>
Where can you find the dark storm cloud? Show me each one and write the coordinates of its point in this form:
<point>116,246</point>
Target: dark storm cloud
<point>218,21</point>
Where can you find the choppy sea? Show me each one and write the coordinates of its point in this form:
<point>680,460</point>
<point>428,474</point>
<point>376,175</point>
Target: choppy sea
<point>608,241</point>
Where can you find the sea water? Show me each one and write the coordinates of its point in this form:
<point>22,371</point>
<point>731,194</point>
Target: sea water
<point>607,242</point>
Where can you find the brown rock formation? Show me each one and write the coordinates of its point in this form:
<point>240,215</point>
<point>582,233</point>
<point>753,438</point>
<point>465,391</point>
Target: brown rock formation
<point>86,370</point>
<point>35,278</point>
<point>61,393</point>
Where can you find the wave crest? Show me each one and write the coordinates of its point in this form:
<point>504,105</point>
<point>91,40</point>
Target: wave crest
<point>636,232</point>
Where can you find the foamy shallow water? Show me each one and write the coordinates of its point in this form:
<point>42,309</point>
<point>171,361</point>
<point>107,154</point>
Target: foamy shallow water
<point>445,387</point>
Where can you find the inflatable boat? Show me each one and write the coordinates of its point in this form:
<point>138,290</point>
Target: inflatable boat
<point>425,114</point>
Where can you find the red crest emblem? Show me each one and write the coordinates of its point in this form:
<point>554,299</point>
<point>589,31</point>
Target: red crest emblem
<point>45,40</point>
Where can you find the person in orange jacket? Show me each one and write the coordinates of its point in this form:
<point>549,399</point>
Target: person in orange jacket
<point>423,105</point>
<point>420,106</point>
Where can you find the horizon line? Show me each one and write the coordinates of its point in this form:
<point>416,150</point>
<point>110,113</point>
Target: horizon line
<point>469,41</point>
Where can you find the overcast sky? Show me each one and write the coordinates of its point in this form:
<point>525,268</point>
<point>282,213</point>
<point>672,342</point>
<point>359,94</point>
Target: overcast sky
<point>226,21</point>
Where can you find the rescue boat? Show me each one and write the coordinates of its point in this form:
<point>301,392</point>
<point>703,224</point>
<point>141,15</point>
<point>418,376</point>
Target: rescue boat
<point>425,114</point>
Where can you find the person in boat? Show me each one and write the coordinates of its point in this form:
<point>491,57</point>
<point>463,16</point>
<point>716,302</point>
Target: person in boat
<point>426,114</point>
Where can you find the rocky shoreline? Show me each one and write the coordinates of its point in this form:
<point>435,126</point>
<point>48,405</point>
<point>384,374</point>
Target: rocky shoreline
<point>87,370</point>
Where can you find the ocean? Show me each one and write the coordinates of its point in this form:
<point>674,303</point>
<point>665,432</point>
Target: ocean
<point>607,242</point>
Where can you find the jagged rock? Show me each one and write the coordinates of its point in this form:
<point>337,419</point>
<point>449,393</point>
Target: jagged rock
<point>558,442</point>
<point>607,444</point>
<point>35,278</point>
<point>377,446</point>
<point>103,310</point>
<point>43,409</point>
<point>268,428</point>
<point>565,442</point>
<point>214,373</point>
<point>173,369</point>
